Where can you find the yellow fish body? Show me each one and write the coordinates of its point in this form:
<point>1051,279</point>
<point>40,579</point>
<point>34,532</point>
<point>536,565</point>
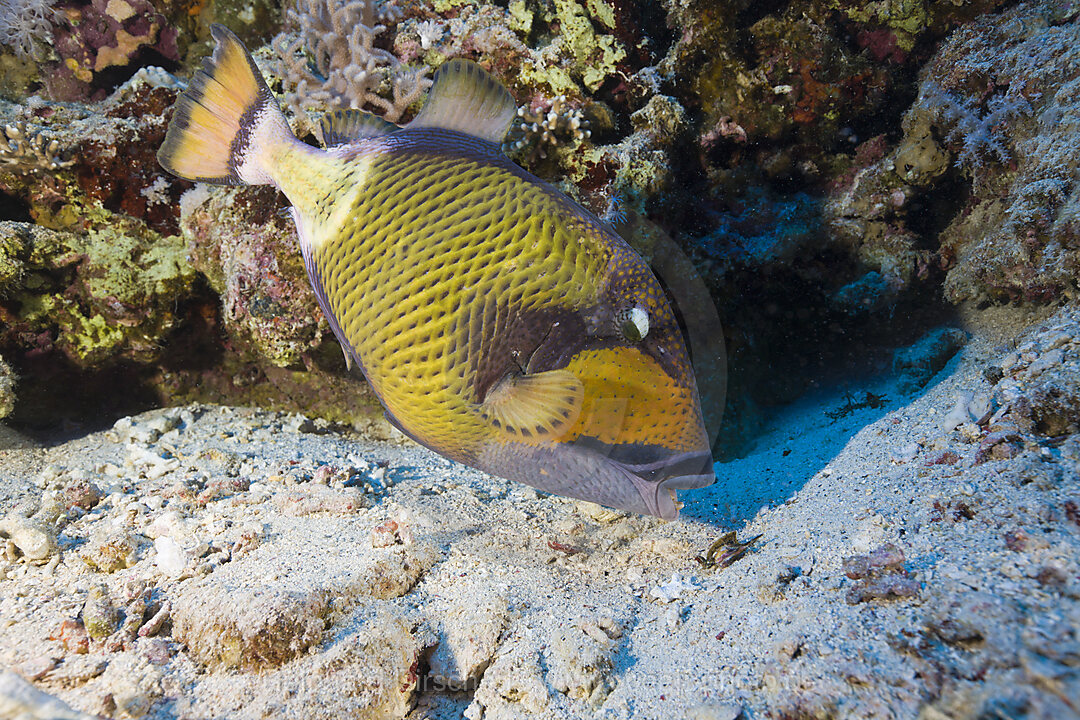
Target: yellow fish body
<point>499,323</point>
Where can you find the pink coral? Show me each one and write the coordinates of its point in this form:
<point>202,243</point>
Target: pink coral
<point>103,35</point>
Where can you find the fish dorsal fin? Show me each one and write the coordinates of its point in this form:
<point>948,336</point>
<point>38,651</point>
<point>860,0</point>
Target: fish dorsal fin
<point>345,126</point>
<point>534,407</point>
<point>466,98</point>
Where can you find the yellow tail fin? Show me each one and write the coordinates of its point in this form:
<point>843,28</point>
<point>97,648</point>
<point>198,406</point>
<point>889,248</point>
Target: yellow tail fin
<point>224,121</point>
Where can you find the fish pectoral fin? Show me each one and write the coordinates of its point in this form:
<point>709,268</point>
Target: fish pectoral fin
<point>464,97</point>
<point>537,406</point>
<point>341,127</point>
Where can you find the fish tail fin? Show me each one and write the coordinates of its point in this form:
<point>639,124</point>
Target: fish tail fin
<point>226,125</point>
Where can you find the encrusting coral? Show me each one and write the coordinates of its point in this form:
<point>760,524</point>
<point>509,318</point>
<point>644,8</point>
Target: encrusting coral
<point>246,249</point>
<point>106,294</point>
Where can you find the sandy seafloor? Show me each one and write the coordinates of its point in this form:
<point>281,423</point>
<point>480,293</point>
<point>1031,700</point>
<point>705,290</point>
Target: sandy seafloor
<point>245,564</point>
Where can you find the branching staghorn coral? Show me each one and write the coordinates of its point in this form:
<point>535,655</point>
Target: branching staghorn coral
<point>333,63</point>
<point>27,151</point>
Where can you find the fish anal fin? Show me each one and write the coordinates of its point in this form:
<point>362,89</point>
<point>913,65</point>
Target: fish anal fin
<point>340,127</point>
<point>466,98</point>
<point>536,407</point>
<point>348,358</point>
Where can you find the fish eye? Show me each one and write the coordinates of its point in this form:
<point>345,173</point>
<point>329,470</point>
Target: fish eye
<point>633,323</point>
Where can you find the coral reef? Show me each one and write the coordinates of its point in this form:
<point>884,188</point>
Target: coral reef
<point>101,36</point>
<point>540,129</point>
<point>7,389</point>
<point>764,137</point>
<point>595,55</point>
<point>247,249</point>
<point>26,25</point>
<point>103,289</point>
<point>789,78</point>
<point>255,22</point>
<point>1016,237</point>
<point>983,158</point>
<point>106,294</point>
<point>24,150</point>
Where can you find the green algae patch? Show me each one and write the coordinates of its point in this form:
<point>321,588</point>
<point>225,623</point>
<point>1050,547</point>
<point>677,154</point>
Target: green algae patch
<point>442,6</point>
<point>11,265</point>
<point>595,55</point>
<point>106,294</point>
<point>602,11</point>
<point>521,17</point>
<point>907,18</point>
<point>133,268</point>
<point>89,336</point>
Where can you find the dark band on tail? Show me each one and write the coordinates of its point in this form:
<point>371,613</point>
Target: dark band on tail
<point>213,119</point>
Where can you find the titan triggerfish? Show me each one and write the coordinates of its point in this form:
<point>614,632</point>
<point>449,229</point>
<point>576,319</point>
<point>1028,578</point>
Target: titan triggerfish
<point>499,323</point>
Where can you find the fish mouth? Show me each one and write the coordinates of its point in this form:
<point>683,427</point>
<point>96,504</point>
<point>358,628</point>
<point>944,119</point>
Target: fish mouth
<point>657,481</point>
<point>635,478</point>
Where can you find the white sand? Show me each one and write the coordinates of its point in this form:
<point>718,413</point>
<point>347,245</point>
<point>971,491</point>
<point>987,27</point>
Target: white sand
<point>428,590</point>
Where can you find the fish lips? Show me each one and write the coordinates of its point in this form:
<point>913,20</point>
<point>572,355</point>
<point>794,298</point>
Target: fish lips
<point>657,481</point>
<point>637,478</point>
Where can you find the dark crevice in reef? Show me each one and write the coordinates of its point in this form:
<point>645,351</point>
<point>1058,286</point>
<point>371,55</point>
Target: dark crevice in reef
<point>783,340</point>
<point>13,208</point>
<point>110,78</point>
<point>93,398</point>
<point>743,40</point>
<point>930,213</point>
<point>794,321</point>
